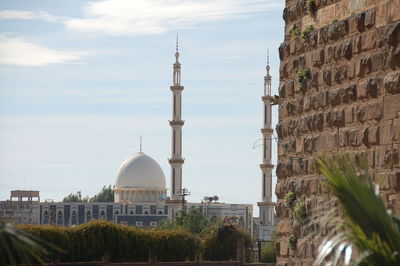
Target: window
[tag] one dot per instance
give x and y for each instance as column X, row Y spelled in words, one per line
column 131, row 212
column 60, row 218
column 46, row 217
column 139, row 224
column 102, row 215
column 153, row 209
column 74, row 218
column 146, row 212
column 88, row 216
column 139, row 209
column 152, row 224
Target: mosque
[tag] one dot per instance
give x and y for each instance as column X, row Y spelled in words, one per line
column 140, row 197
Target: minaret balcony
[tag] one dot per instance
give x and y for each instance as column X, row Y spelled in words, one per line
column 267, row 98
column 264, row 203
column 176, row 160
column 266, row 166
column 176, row 122
column 176, row 88
column 265, row 131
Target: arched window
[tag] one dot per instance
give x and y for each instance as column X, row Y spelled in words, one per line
column 88, row 216
column 59, row 218
column 159, row 212
column 115, row 215
column 102, row 215
column 146, row 212
column 131, row 212
column 74, row 218
column 46, row 217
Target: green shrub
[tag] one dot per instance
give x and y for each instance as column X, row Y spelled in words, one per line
column 290, row 197
column 302, row 77
column 268, row 253
column 219, row 242
column 311, row 7
column 91, row 241
column 299, row 212
column 294, row 32
column 307, row 31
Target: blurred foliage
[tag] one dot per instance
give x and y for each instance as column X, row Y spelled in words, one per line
column 91, row 241
column 105, row 195
column 219, row 242
column 18, row 247
column 366, row 226
column 268, row 250
column 192, row 220
column 76, row 197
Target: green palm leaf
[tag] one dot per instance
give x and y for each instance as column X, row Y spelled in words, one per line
column 367, row 225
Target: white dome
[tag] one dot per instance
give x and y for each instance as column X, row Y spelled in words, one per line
column 140, row 172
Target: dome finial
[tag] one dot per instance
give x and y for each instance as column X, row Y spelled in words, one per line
column 140, row 143
column 177, row 42
column 267, row 62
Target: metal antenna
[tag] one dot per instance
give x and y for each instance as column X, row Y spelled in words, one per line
column 267, row 56
column 177, row 42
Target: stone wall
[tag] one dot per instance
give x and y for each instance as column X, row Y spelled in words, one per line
column 339, row 91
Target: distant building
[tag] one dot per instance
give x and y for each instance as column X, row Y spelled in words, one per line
column 22, row 208
column 140, row 197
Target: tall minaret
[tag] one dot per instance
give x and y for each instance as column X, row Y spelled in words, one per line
column 176, row 161
column 266, row 205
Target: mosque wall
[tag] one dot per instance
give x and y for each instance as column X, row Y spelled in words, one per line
column 339, row 91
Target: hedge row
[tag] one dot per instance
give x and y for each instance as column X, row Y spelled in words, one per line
column 94, row 240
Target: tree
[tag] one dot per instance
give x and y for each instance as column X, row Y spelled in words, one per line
column 77, row 197
column 105, row 195
column 193, row 221
column 367, row 225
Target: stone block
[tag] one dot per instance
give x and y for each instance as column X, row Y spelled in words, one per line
column 283, row 228
column 360, row 114
column 314, row 186
column 396, row 130
column 355, row 137
column 317, row 122
column 372, row 135
column 327, row 78
column 284, row 248
column 393, row 58
column 351, row 70
column 318, row 57
column 335, row 118
column 348, row 114
column 377, row 62
column 391, row 107
column 308, row 145
column 370, row 18
column 340, row 74
column 394, row 181
column 346, row 49
column 289, row 88
column 349, row 94
column 337, row 30
column 395, row 8
column 363, row 66
column 284, row 50
column 370, row 88
column 376, row 111
column 343, row 139
column 386, row 132
column 335, row 97
column 392, row 36
column 369, row 41
column 356, row 23
column 391, row 83
column 357, row 44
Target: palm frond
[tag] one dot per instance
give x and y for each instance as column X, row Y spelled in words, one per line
column 368, row 225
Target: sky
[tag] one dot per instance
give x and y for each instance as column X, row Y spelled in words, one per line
column 81, row 81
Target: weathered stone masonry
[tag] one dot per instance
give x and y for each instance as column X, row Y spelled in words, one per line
column 339, row 91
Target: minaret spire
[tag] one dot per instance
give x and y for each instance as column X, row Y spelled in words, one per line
column 176, row 161
column 266, row 205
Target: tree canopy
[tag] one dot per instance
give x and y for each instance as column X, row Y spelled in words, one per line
column 191, row 220
column 106, row 194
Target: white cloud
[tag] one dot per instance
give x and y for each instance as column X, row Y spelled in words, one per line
column 20, row 14
column 140, row 17
column 17, row 51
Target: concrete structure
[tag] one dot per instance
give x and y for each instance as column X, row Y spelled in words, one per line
column 176, row 161
column 24, row 210
column 267, row 213
column 339, row 92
